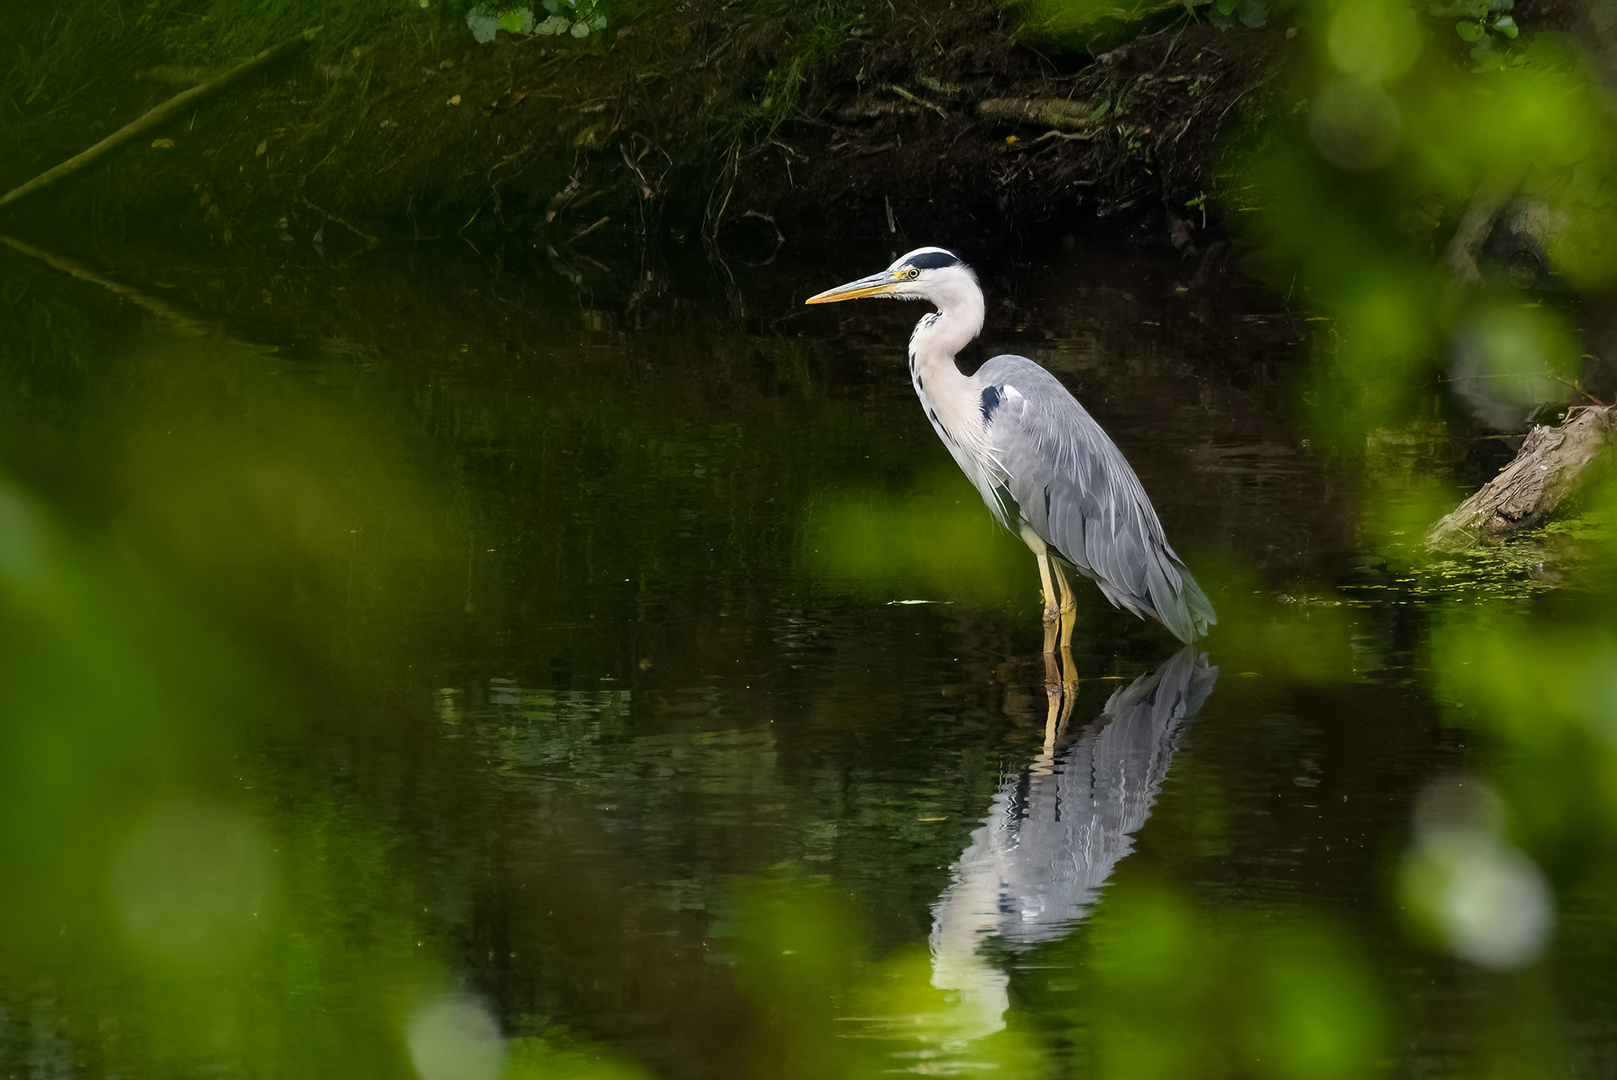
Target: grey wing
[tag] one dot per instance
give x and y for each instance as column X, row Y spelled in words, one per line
column 1075, row 489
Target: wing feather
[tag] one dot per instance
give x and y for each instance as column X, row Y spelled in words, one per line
column 1073, row 486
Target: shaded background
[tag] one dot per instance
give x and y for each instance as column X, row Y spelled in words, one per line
column 441, row 661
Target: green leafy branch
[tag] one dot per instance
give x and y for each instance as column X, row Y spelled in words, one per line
column 580, row 18
column 1224, row 14
column 1486, row 25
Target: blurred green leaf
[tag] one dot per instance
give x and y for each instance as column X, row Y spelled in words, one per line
column 1468, row 31
column 931, row 541
column 517, row 20
column 1376, row 41
column 554, row 1058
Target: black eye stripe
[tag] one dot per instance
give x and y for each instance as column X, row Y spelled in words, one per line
column 933, row 260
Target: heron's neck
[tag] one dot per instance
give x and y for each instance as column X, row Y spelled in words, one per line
column 939, row 337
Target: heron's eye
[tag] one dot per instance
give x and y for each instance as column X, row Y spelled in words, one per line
column 912, row 273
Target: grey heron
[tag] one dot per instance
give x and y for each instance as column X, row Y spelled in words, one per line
column 1042, row 464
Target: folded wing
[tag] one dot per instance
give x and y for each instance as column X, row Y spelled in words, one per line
column 1073, row 486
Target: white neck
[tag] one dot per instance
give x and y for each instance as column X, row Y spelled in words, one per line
column 938, row 340
column 943, row 390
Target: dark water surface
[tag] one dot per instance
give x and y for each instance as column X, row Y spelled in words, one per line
column 408, row 649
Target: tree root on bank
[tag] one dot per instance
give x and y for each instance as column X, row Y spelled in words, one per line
column 1045, row 112
column 1545, row 473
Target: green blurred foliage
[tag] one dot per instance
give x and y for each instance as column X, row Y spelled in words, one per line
column 1376, row 41
column 1303, row 638
column 1388, row 128
column 1162, row 990
column 240, row 539
column 833, row 1009
column 247, row 932
column 932, row 541
column 141, row 850
column 1186, row 993
column 561, row 1057
column 1391, row 118
column 1546, row 688
column 1093, row 26
column 1392, row 121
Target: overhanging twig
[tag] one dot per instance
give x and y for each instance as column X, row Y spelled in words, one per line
column 156, row 115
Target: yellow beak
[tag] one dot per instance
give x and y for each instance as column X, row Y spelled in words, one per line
column 874, row 285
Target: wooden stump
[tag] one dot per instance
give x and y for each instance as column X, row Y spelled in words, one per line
column 1546, row 470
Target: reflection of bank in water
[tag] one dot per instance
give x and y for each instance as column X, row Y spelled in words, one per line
column 1055, row 831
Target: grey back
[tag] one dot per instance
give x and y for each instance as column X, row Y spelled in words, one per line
column 1073, row 486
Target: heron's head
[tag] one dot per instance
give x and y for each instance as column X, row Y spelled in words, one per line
column 929, row 273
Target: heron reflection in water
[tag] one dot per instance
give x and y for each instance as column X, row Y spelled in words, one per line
column 1055, row 831
column 1042, row 464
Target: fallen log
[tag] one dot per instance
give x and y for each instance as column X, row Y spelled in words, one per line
column 1546, row 471
column 157, row 115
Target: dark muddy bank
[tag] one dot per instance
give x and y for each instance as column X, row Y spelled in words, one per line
column 691, row 126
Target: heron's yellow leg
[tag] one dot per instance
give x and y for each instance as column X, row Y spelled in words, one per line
column 1061, row 699
column 1067, row 611
column 1052, row 663
column 1062, row 693
column 1068, row 600
column 1047, row 571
